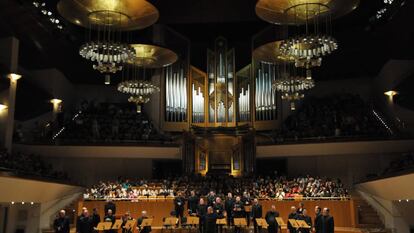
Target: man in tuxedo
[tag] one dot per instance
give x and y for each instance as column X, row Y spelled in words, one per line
column 210, row 221
column 238, row 212
column 109, row 217
column 110, row 205
column 125, row 218
column 293, row 215
column 300, row 208
column 143, row 229
column 246, row 202
column 61, row 223
column 211, row 198
column 328, row 225
column 96, row 219
column 201, row 213
column 271, row 220
column 228, row 205
column 179, row 203
column 256, row 213
column 84, row 223
column 220, row 212
column 192, row 203
column 317, row 226
column 305, row 217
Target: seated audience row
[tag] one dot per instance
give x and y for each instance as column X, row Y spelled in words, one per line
column 339, row 115
column 260, row 187
column 29, row 165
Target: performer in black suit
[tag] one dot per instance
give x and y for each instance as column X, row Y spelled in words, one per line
column 125, row 218
column 210, row 221
column 61, row 223
column 271, row 220
column 110, row 205
column 256, row 213
column 179, row 203
column 328, row 225
column 300, row 208
column 220, row 212
column 201, row 213
column 211, row 198
column 96, row 219
column 192, row 203
column 228, row 205
column 317, row 226
column 293, row 215
column 84, row 223
column 143, row 229
column 109, row 217
column 305, row 217
column 246, row 202
column 238, row 212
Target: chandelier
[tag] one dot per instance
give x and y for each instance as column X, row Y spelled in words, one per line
column 107, row 23
column 107, row 56
column 293, row 87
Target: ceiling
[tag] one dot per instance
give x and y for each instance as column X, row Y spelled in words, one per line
column 364, row 46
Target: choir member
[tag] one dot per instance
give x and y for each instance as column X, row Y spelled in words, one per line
column 96, row 218
column 300, row 208
column 61, row 223
column 305, row 217
column 220, row 211
column 110, row 205
column 192, row 203
column 210, row 221
column 201, row 213
column 179, row 203
column 109, row 217
column 211, row 198
column 228, row 206
column 271, row 220
column 293, row 215
column 84, row 223
column 238, row 212
column 143, row 229
column 256, row 213
column 328, row 225
column 246, row 202
column 317, row 226
column 125, row 218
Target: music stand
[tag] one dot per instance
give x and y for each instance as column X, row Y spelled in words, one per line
column 240, row 222
column 130, row 224
column 261, row 222
column 221, row 221
column 293, row 223
column 103, row 226
column 193, row 222
column 117, row 224
column 280, row 222
column 170, row 222
column 303, row 224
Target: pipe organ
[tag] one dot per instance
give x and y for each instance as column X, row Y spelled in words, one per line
column 244, row 89
column 198, row 95
column 265, row 96
column 221, row 82
column 175, row 93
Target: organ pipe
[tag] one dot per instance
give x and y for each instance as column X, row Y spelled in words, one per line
column 265, row 97
column 175, row 94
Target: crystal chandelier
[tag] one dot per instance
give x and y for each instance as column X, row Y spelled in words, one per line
column 310, row 40
column 292, row 88
column 107, row 23
column 140, row 91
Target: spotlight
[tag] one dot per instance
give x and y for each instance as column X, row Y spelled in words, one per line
column 49, row 13
column 12, row 202
column 14, row 76
column 399, row 200
column 31, row 203
column 390, row 93
column 3, row 107
column 22, row 202
column 57, row 21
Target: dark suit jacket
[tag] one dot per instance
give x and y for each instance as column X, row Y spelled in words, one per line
column 318, row 223
column 84, row 225
column 61, row 225
column 110, row 205
column 328, row 225
column 256, row 211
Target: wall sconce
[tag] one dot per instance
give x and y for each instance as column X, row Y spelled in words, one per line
column 55, row 101
column 391, row 94
column 3, row 107
column 14, row 77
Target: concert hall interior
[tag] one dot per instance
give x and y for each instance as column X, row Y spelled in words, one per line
column 206, row 116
